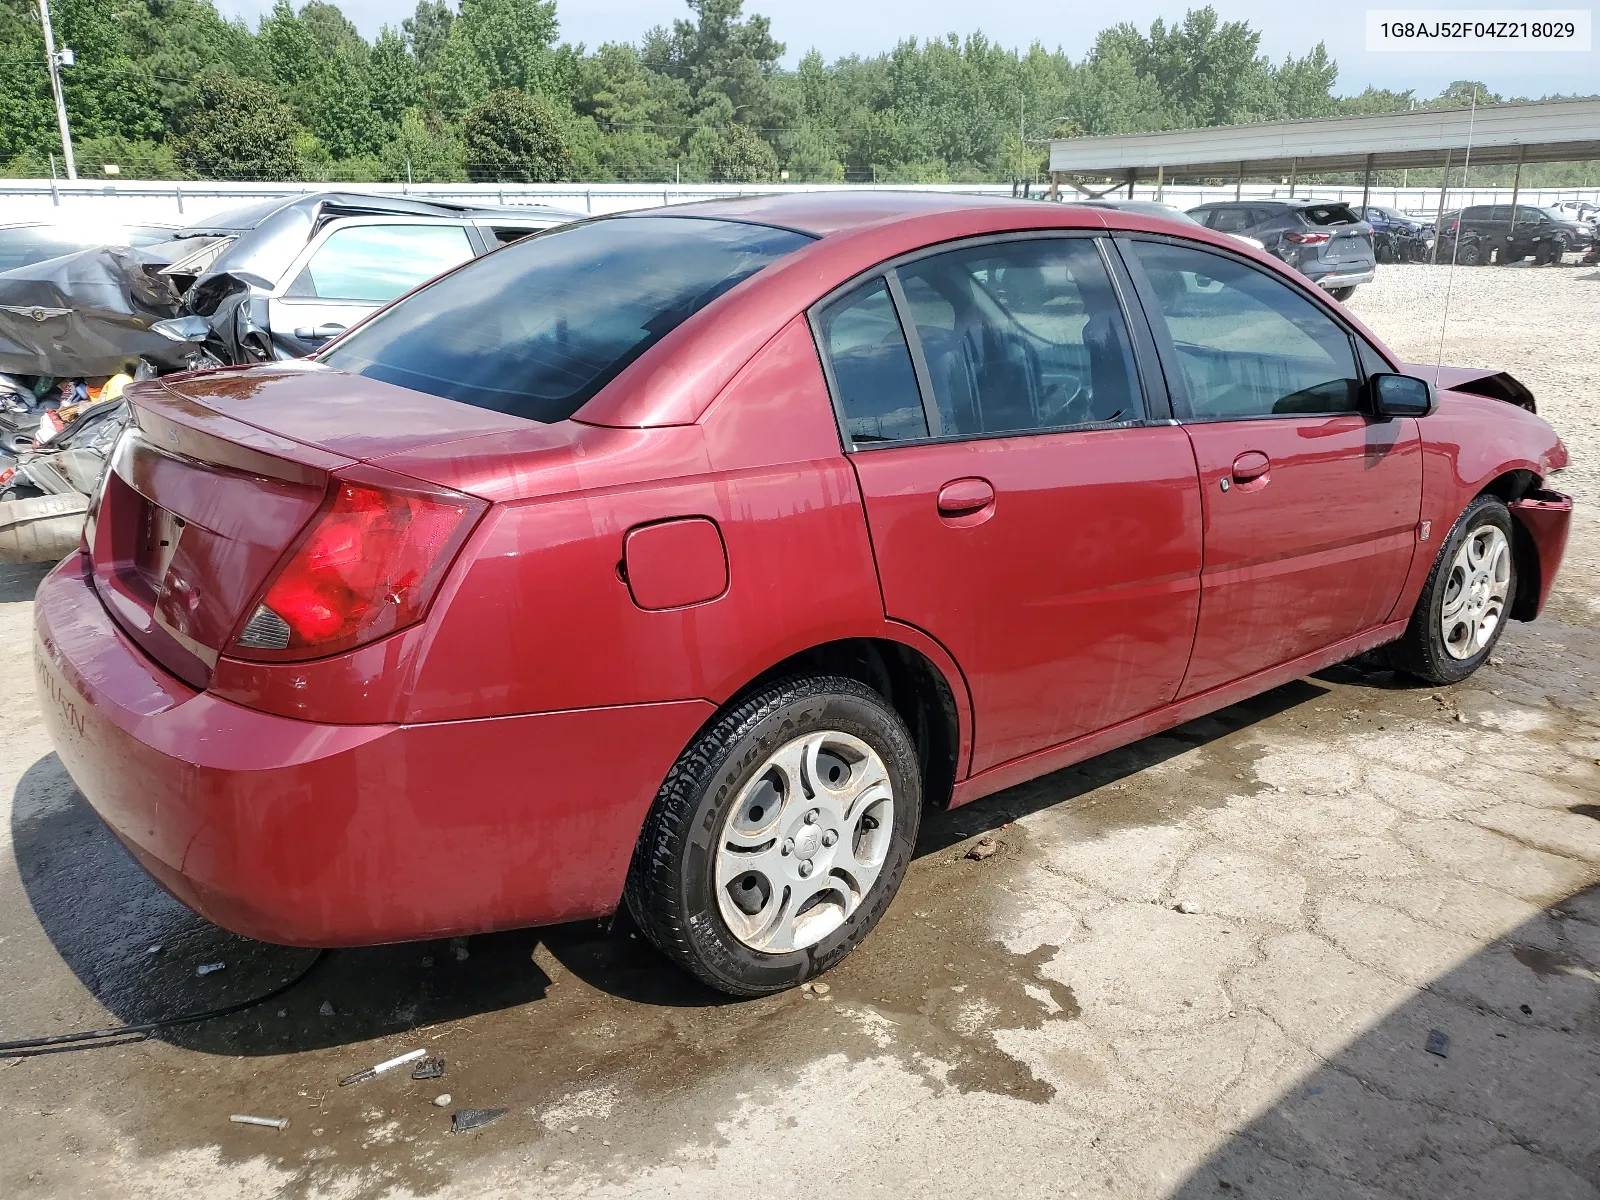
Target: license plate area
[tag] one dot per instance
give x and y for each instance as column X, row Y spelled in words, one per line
column 159, row 532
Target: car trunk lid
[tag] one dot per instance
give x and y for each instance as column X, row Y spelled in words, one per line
column 217, row 476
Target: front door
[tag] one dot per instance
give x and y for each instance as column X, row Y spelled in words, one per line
column 1311, row 504
column 1022, row 509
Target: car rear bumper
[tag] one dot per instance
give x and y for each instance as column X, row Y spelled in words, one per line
column 330, row 835
column 1338, row 277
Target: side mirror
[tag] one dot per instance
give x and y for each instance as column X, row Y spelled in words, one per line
column 1400, row 395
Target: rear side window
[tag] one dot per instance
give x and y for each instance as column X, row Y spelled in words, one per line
column 1248, row 345
column 872, row 372
column 1232, row 220
column 376, row 263
column 538, row 328
column 1329, row 214
column 1022, row 335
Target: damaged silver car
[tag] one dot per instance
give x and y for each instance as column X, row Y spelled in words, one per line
column 273, row 280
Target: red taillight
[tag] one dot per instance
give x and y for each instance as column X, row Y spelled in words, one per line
column 1305, row 239
column 367, row 566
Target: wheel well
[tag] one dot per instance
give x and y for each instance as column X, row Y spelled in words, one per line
column 1514, row 485
column 912, row 685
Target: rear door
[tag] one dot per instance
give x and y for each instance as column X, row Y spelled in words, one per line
column 354, row 267
column 1026, row 507
column 1311, row 504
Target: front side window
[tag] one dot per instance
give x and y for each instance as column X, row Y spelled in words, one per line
column 1231, row 220
column 539, row 327
column 1022, row 335
column 872, row 372
column 376, row 263
column 1248, row 345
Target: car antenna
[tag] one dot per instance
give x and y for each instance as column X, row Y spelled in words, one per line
column 1455, row 242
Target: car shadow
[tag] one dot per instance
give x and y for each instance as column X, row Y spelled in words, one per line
column 1481, row 1083
column 138, row 952
column 19, row 581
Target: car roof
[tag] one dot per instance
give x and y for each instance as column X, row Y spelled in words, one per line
column 824, row 212
column 323, row 204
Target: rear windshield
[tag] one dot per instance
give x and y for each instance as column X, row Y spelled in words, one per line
column 1329, row 214
column 539, row 327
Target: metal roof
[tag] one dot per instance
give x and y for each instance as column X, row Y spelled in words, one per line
column 1543, row 131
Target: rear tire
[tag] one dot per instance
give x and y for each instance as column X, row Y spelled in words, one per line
column 1450, row 636
column 1341, row 294
column 742, row 830
column 1469, row 254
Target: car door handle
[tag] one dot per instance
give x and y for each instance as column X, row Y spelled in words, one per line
column 964, row 497
column 321, row 333
column 1250, row 465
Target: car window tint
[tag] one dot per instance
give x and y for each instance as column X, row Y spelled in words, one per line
column 1232, row 220
column 1022, row 335
column 376, row 263
column 1248, row 345
column 537, row 328
column 872, row 372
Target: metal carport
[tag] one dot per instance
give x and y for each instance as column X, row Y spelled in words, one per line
column 1542, row 131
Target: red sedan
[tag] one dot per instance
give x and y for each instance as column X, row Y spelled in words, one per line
column 680, row 559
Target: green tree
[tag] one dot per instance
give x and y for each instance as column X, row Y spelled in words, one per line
column 240, row 130
column 516, row 137
column 426, row 31
column 424, row 150
column 737, row 154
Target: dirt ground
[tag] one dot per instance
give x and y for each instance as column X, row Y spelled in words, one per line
column 1209, row 964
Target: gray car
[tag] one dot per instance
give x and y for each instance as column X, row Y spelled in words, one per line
column 1322, row 239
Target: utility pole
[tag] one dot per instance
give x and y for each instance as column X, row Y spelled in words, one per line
column 56, row 62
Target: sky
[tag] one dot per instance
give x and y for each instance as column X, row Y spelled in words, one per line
column 842, row 27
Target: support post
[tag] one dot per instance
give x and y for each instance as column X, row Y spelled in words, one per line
column 1516, row 186
column 54, row 61
column 1294, row 167
column 1238, row 184
column 1438, row 217
column 1055, row 185
column 1133, row 173
column 1161, row 185
column 1366, row 189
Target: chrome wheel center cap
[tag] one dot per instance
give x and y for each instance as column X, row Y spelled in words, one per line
column 808, row 841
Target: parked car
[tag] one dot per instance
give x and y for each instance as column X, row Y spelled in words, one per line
column 272, row 280
column 1155, row 208
column 1397, row 238
column 23, row 243
column 681, row 559
column 1324, row 240
column 1577, row 210
column 1484, row 233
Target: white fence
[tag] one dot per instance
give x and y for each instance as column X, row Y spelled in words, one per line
column 131, row 201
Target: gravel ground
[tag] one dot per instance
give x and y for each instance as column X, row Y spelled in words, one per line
column 1210, row 964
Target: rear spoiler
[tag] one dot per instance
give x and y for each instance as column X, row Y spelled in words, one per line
column 1479, row 381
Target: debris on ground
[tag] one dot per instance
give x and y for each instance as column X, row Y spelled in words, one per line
column 326, row 1010
column 986, row 846
column 268, row 1122
column 205, row 969
column 442, row 1100
column 428, row 1068
column 820, row 988
column 1438, row 1043
column 387, row 1065
column 464, row 1119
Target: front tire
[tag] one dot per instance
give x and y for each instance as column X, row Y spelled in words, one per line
column 779, row 837
column 1467, row 600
